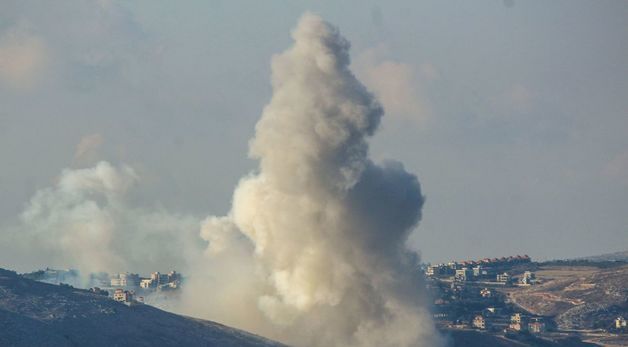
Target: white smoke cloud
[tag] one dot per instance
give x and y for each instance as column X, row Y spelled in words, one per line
column 84, row 221
column 313, row 251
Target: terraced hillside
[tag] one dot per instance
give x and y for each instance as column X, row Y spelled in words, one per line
column 578, row 297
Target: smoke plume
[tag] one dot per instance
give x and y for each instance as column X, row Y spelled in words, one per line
column 313, row 251
column 86, row 222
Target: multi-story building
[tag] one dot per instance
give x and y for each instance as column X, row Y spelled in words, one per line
column 122, row 295
column 528, row 278
column 463, row 275
column 620, row 322
column 503, row 277
column 479, row 322
column 171, row 280
column 517, row 318
column 486, row 293
column 536, row 326
column 125, row 280
column 477, row 271
column 173, row 276
column 160, row 278
column 518, row 322
column 146, row 283
column 130, row 280
column 430, row 271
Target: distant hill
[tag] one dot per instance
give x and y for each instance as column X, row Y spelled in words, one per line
column 40, row 314
column 617, row 256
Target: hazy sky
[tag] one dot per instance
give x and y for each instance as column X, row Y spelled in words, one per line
column 513, row 114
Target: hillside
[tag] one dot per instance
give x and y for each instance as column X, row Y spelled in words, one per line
column 40, row 314
column 578, row 298
column 35, row 314
column 616, row 256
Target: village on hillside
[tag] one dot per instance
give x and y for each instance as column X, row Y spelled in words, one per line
column 128, row 288
column 509, row 297
column 491, row 295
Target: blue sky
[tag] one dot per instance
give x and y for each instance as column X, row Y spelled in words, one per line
column 513, row 114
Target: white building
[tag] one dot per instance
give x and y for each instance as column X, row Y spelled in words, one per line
column 122, row 295
column 536, row 326
column 486, row 293
column 503, row 277
column 125, row 280
column 146, row 283
column 464, row 274
column 517, row 318
column 528, row 278
column 479, row 322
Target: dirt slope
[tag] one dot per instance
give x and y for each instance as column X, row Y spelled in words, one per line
column 578, row 297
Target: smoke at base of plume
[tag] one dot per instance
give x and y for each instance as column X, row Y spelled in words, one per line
column 313, row 251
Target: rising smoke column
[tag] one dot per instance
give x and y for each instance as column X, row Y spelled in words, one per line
column 313, row 251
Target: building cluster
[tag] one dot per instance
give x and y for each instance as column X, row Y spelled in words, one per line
column 518, row 322
column 467, row 295
column 122, row 287
column 521, row 322
column 171, row 280
column 486, row 270
column 156, row 281
column 126, row 286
